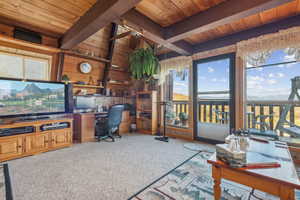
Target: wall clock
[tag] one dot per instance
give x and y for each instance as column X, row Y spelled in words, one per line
column 85, row 67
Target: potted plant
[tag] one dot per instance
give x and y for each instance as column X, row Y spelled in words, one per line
column 170, row 117
column 65, row 78
column 183, row 118
column 143, row 64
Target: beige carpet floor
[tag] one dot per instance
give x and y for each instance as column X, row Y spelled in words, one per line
column 96, row 171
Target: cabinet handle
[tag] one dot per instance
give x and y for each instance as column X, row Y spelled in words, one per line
column 19, row 146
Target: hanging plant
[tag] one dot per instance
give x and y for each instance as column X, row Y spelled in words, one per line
column 143, row 64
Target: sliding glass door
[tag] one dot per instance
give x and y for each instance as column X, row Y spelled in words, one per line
column 213, row 97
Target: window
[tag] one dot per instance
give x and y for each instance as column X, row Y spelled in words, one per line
column 24, row 67
column 178, row 111
column 272, row 91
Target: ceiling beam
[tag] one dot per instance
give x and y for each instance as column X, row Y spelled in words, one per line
column 154, row 32
column 240, row 36
column 110, row 53
column 224, row 13
column 102, row 13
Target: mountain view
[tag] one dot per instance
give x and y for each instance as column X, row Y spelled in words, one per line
column 17, row 97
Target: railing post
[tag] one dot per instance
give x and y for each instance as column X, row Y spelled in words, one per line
column 210, row 112
column 271, row 110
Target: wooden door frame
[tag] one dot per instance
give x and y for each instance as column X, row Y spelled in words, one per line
column 232, row 86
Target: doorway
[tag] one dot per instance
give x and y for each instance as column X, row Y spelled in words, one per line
column 213, row 95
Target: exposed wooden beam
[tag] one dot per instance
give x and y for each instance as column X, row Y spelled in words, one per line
column 122, row 35
column 240, row 36
column 224, row 13
column 154, row 32
column 110, row 53
column 102, row 13
column 168, row 55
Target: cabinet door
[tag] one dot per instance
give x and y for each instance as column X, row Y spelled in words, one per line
column 87, row 128
column 36, row 143
column 61, row 138
column 11, row 148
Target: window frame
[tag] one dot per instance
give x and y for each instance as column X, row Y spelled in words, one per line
column 32, row 57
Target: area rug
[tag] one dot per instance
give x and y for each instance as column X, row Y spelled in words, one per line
column 5, row 186
column 192, row 181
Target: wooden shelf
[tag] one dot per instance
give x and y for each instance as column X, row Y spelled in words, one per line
column 87, row 86
column 71, row 53
column 4, row 39
column 118, row 83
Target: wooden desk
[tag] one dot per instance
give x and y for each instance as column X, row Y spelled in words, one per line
column 84, row 125
column 280, row 181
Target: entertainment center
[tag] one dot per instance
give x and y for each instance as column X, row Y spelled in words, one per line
column 39, row 140
column 34, row 117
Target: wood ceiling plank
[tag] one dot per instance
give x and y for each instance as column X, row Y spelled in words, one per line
column 24, row 19
column 162, row 12
column 98, row 16
column 154, row 32
column 167, row 12
column 83, row 4
column 200, row 5
column 187, row 7
column 238, row 26
column 18, row 9
column 268, row 15
column 67, row 6
column 148, row 7
column 224, row 13
column 287, row 10
column 253, row 21
column 51, row 9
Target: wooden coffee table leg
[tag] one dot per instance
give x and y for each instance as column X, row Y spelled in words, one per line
column 287, row 193
column 216, row 174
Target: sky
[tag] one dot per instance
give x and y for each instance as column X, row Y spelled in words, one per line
column 268, row 83
column 20, row 85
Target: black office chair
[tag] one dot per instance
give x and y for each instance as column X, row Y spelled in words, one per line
column 112, row 123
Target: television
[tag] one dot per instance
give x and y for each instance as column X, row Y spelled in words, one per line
column 32, row 98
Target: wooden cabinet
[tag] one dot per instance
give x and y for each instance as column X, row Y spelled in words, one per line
column 60, row 138
column 36, row 142
column 17, row 146
column 125, row 123
column 146, row 105
column 10, row 148
column 84, row 127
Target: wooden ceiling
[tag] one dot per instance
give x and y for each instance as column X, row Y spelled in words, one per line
column 275, row 14
column 168, row 12
column 55, row 16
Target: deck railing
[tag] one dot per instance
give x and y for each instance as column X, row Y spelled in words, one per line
column 217, row 111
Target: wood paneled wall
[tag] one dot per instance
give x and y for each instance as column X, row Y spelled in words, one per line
column 96, row 46
column 71, row 69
